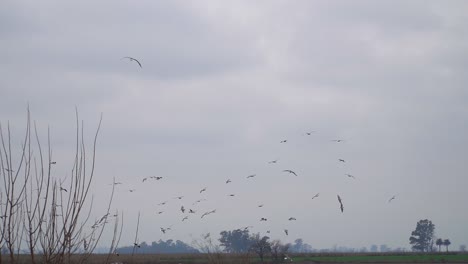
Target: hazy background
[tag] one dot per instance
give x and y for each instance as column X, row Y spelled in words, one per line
column 223, row 83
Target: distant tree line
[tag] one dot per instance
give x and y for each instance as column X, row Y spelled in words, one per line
column 168, row 246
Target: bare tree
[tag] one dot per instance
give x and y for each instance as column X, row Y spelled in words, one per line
column 49, row 214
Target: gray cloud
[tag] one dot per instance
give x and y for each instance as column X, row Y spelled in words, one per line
column 223, row 83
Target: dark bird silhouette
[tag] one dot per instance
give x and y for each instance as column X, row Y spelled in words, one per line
column 350, row 176
column 207, row 213
column 263, row 219
column 268, row 231
column 232, row 195
column 273, row 161
column 251, row 176
column 261, row 205
column 341, row 203
column 163, row 203
column 178, row 197
column 337, row 140
column 284, row 141
column 202, row 190
column 290, row 171
column 160, row 212
column 63, row 189
column 291, row 218
column 131, row 190
column 144, row 179
column 228, row 181
column 163, row 230
column 53, row 162
column 136, row 245
column 286, row 231
column 206, row 236
column 391, row 199
column 191, row 211
column 185, row 218
column 310, row 133
column 133, row 59
column 341, row 160
column 182, row 209
column 315, row 196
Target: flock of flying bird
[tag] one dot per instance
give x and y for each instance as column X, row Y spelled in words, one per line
column 189, row 211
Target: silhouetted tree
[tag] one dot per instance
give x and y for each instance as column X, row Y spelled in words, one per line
column 462, row 248
column 422, row 237
column 260, row 245
column 439, row 243
column 447, row 243
column 278, row 251
column 235, row 241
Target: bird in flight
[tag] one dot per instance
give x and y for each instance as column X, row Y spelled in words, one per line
column 310, row 133
column 341, row 204
column 182, row 209
column 350, row 176
column 273, row 161
column 286, row 231
column 144, row 179
column 207, row 213
column 163, row 230
column 133, row 59
column 261, row 205
column 291, row 218
column 284, row 141
column 290, row 171
column 341, row 160
column 185, row 218
column 263, row 219
column 202, row 190
column 178, row 197
column 251, row 176
column 191, row 211
column 228, row 181
column 315, row 196
column 156, row 177
column 337, row 140
column 63, row 189
column 391, row 199
column 53, row 162
column 163, row 203
column 160, row 212
column 232, row 195
column 131, row 190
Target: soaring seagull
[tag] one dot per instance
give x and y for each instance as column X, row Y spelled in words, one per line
column 273, row 161
column 291, row 218
column 202, row 190
column 341, row 204
column 228, row 181
column 315, row 196
column 284, row 141
column 341, row 160
column 251, row 176
column 350, row 176
column 393, row 198
column 290, row 171
column 286, row 231
column 133, row 59
column 337, row 140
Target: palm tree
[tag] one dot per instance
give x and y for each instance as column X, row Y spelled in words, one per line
column 439, row 242
column 447, row 243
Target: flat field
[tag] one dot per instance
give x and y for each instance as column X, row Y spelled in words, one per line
column 401, row 258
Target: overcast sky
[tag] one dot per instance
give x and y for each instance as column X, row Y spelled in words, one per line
column 223, row 83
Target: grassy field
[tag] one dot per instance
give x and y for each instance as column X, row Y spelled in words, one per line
column 297, row 258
